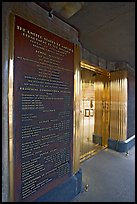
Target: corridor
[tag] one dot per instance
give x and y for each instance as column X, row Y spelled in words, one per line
column 110, row 176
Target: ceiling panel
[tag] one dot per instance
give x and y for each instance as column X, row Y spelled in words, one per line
column 106, row 29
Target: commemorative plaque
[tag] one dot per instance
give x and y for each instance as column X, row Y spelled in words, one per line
column 43, row 84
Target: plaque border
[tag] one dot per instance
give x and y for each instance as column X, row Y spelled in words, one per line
column 10, row 105
column 74, row 169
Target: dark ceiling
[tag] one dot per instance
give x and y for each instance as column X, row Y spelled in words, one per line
column 106, row 29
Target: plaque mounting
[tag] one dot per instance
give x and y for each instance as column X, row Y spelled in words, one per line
column 43, row 95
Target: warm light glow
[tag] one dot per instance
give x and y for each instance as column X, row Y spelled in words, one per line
column 10, row 90
column 10, row 97
column 94, row 68
column 66, row 9
column 118, row 116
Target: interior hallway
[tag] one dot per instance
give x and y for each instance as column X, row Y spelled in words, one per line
column 110, row 176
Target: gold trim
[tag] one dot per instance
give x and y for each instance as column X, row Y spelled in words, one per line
column 10, row 104
column 77, row 93
column 94, row 68
column 91, row 153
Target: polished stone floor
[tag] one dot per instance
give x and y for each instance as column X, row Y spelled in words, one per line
column 110, row 177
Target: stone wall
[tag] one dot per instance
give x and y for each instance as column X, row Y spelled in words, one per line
column 131, row 105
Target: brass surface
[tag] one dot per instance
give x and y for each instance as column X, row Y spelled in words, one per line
column 77, row 96
column 98, row 108
column 87, row 112
column 91, row 153
column 102, row 108
column 106, row 112
column 100, row 93
column 99, row 70
column 118, row 114
column 10, row 101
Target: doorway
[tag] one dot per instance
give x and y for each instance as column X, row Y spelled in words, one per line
column 87, row 108
column 94, row 112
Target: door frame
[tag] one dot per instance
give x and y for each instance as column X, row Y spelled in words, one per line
column 104, row 134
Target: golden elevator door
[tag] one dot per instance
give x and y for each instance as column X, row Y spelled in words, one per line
column 102, row 108
column 87, row 109
column 119, row 98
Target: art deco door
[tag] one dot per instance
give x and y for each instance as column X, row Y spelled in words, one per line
column 87, row 107
column 111, row 107
column 95, row 105
column 118, row 111
column 102, row 108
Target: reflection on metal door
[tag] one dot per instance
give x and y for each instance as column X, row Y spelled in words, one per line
column 102, row 108
column 94, row 109
column 118, row 114
column 87, row 111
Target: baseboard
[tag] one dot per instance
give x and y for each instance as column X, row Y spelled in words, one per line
column 64, row 192
column 121, row 146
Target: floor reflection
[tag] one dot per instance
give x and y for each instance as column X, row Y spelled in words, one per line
column 87, row 129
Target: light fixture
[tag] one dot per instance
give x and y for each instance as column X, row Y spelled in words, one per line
column 66, row 9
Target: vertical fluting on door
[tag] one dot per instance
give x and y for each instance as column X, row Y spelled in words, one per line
column 102, row 108
column 118, row 105
column 106, row 112
column 98, row 108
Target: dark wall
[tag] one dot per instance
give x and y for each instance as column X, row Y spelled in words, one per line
column 131, row 105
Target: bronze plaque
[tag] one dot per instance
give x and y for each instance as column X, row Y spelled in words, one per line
column 42, row 110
